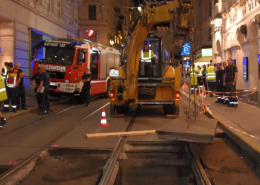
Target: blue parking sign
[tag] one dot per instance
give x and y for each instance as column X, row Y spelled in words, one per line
column 186, row 49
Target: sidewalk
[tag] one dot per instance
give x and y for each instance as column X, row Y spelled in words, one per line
column 31, row 105
column 241, row 123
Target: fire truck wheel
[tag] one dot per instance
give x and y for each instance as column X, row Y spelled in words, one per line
column 122, row 109
column 169, row 109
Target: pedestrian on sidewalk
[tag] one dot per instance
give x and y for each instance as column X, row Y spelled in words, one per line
column 21, row 100
column 36, row 78
column 86, row 79
column 3, row 96
column 219, row 80
column 12, row 81
column 230, row 83
column 211, row 78
column 43, row 91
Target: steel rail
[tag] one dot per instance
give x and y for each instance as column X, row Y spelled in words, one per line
column 43, row 118
column 28, row 159
column 110, row 164
column 197, row 169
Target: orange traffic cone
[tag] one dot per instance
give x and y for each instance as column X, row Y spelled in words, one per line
column 185, row 86
column 103, row 122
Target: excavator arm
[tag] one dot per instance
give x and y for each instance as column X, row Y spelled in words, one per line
column 176, row 12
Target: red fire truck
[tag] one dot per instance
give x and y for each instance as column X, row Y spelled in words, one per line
column 66, row 61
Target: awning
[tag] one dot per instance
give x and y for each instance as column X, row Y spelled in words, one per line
column 203, row 59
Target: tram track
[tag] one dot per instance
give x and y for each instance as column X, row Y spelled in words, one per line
column 26, row 161
column 163, row 162
column 44, row 118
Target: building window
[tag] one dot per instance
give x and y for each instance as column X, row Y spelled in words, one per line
column 210, row 9
column 92, row 12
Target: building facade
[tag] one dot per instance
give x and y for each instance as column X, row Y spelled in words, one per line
column 238, row 37
column 110, row 19
column 201, row 16
column 24, row 22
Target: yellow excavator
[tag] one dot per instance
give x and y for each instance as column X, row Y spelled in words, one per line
column 129, row 88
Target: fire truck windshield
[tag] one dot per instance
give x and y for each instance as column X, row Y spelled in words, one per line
column 55, row 55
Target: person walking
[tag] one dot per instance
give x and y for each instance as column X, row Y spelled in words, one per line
column 12, row 81
column 21, row 100
column 219, row 80
column 211, row 78
column 3, row 96
column 230, row 83
column 43, row 91
column 36, row 78
column 86, row 79
column 147, row 59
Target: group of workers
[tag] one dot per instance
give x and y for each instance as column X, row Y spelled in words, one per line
column 12, row 90
column 218, row 81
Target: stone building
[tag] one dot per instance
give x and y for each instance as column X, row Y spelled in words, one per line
column 24, row 22
column 237, row 36
column 201, row 16
column 103, row 16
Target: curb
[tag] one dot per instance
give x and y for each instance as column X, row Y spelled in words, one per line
column 30, row 109
column 244, row 142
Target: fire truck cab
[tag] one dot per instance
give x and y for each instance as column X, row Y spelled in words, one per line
column 66, row 61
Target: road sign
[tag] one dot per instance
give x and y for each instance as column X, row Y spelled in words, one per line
column 186, row 49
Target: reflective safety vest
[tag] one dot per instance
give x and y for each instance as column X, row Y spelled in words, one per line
column 12, row 78
column 146, row 59
column 210, row 74
column 3, row 95
column 193, row 78
column 200, row 72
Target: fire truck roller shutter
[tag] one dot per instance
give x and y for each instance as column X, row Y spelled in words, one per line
column 103, row 65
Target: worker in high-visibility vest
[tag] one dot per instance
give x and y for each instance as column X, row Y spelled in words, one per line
column 147, row 58
column 4, row 71
column 193, row 81
column 211, row 78
column 199, row 77
column 12, row 81
column 3, row 96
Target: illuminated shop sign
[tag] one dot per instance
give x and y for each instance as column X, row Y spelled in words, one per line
column 207, row 52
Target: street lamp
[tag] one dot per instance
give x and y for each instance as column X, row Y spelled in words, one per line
column 218, row 21
column 112, row 42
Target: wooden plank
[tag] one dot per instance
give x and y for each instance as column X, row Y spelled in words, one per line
column 121, row 134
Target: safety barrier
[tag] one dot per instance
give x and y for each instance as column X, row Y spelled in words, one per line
column 205, row 109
